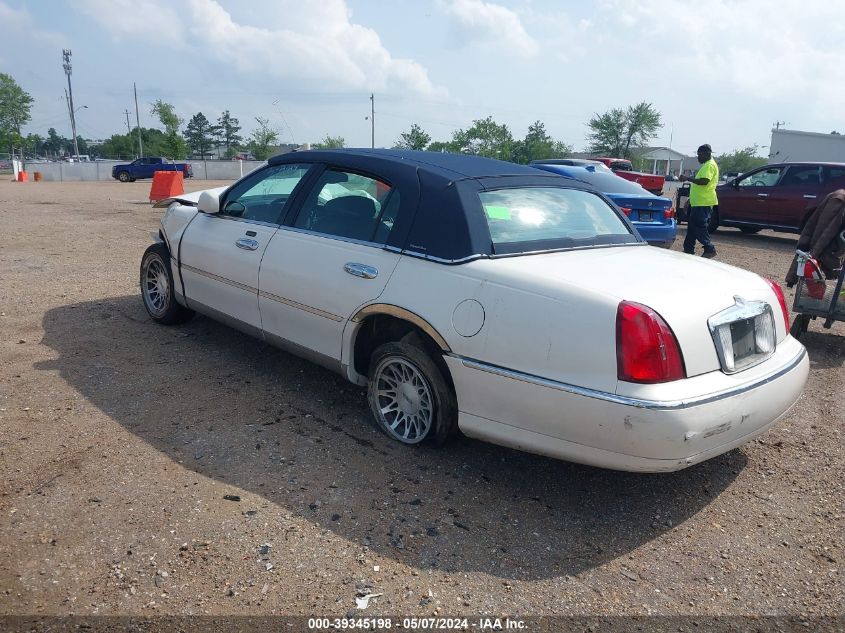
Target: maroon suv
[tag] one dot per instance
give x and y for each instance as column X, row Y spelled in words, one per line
column 776, row 196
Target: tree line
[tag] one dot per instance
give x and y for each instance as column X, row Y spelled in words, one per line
column 619, row 133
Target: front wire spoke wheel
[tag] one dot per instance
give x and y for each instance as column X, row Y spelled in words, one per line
column 156, row 287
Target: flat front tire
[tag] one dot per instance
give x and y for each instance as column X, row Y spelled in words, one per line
column 157, row 287
column 409, row 397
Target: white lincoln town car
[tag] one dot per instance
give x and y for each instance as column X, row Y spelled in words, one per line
column 472, row 295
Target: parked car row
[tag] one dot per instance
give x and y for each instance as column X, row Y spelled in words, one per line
column 653, row 216
column 509, row 303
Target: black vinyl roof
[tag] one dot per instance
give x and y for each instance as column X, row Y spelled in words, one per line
column 452, row 166
column 440, row 214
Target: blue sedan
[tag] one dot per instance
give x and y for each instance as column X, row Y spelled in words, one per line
column 653, row 216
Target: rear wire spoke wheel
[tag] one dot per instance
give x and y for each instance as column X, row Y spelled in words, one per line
column 409, row 397
column 404, row 401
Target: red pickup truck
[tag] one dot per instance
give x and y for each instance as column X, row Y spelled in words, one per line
column 623, row 168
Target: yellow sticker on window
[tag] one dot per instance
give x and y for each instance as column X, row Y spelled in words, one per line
column 497, row 213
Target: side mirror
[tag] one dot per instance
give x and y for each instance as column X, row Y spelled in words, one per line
column 208, row 203
column 234, row 208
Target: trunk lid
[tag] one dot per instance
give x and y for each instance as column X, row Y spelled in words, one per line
column 683, row 289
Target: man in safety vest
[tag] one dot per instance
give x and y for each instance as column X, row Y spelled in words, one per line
column 702, row 199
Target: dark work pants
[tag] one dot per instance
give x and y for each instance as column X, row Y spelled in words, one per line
column 697, row 223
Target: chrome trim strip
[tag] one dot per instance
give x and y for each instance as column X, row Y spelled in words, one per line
column 300, row 306
column 329, row 236
column 654, row 405
column 223, row 280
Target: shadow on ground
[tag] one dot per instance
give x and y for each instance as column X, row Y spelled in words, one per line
column 231, row 408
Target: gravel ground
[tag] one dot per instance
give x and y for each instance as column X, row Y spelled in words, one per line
column 121, row 440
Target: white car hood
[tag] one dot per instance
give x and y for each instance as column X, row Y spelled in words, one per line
column 685, row 290
column 187, row 199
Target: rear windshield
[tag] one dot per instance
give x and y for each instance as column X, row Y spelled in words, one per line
column 608, row 182
column 531, row 219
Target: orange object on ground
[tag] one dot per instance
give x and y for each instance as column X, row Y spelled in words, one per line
column 167, row 184
column 22, row 176
column 36, row 176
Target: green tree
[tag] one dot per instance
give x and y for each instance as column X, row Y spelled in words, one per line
column 741, row 160
column 33, row 144
column 330, row 142
column 15, row 106
column 125, row 146
column 485, row 137
column 444, row 146
column 262, row 138
column 619, row 133
column 227, row 134
column 175, row 146
column 200, row 133
column 415, row 138
column 55, row 144
column 537, row 145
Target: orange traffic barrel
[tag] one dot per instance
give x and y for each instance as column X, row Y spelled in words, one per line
column 22, row 176
column 166, row 184
column 36, row 176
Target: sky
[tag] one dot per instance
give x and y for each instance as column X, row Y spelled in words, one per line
column 721, row 72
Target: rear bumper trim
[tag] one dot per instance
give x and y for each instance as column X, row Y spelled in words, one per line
column 655, row 405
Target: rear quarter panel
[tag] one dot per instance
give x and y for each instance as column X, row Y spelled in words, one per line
column 562, row 334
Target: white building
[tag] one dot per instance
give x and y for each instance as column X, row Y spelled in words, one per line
column 795, row 146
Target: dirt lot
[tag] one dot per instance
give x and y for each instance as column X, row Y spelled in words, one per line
column 119, row 439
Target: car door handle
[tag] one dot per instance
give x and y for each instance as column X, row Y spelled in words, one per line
column 247, row 244
column 361, row 270
column 809, row 197
column 762, row 195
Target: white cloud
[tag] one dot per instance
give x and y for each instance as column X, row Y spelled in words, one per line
column 317, row 46
column 772, row 51
column 18, row 25
column 138, row 18
column 490, row 24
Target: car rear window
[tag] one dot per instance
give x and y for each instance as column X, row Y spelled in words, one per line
column 608, row 182
column 529, row 219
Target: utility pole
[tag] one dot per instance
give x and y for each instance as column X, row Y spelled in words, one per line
column 69, row 95
column 373, row 120
column 138, row 123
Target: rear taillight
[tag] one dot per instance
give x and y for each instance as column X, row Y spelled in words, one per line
column 626, row 211
column 646, row 348
column 669, row 213
column 781, row 300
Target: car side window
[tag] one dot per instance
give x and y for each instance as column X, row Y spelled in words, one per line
column 762, row 178
column 263, row 197
column 834, row 174
column 345, row 204
column 802, row 176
